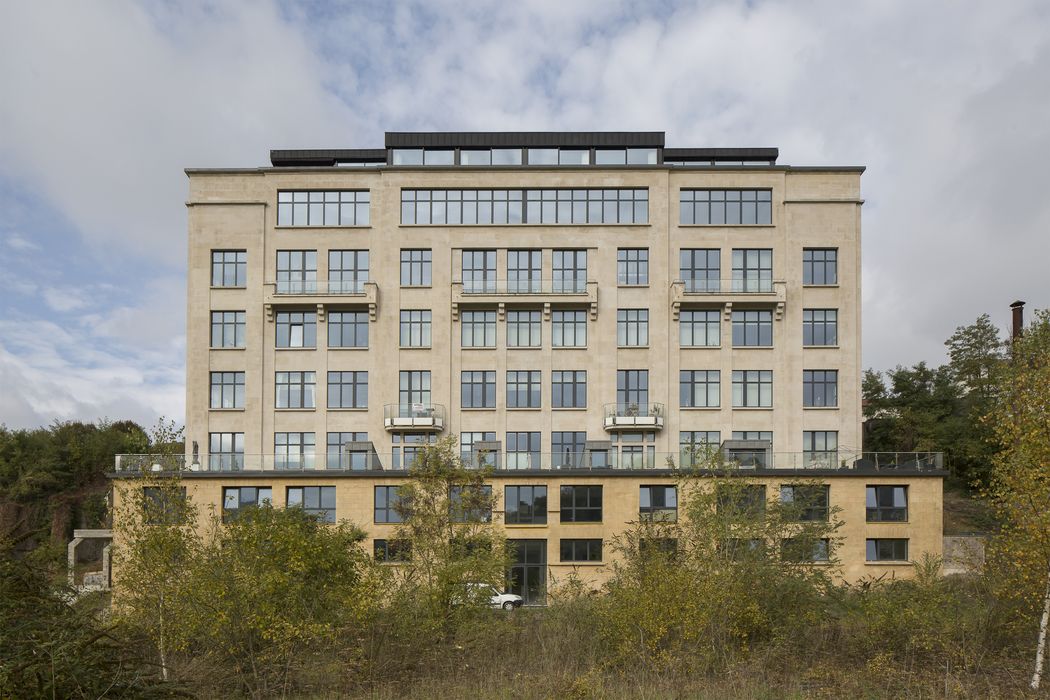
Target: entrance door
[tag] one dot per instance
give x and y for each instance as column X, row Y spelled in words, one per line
column 527, row 575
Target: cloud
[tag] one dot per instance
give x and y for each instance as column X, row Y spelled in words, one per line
column 17, row 243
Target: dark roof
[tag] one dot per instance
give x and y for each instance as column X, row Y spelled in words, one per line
column 721, row 153
column 327, row 156
column 527, row 139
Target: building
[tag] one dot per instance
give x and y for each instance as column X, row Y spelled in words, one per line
column 576, row 308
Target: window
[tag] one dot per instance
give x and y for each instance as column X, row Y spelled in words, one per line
column 739, row 548
column 803, row 550
column 632, row 267
column 318, row 501
column 525, row 505
column 820, row 266
column 581, row 504
column 694, row 446
column 568, row 448
column 746, row 501
column 229, row 268
column 340, row 208
column 225, row 451
column 413, row 387
column 523, row 450
column 658, row 503
column 227, row 389
column 296, row 329
column 569, row 329
column 476, row 157
column 293, row 450
column 523, row 389
column 547, row 206
column 477, row 389
column 407, row 156
column 415, row 328
column 634, row 450
column 820, row 448
column 458, row 207
column 887, row 504
column 527, row 574
column 406, row 447
column 569, row 388
column 570, row 271
column 387, row 504
column 574, row 156
column 699, row 329
column 227, row 329
column 347, row 271
column 347, row 389
column 632, row 387
column 416, row 268
column 752, row 270
column 701, row 269
column 297, row 272
column 820, row 388
column 581, row 550
column 765, row 435
column 523, row 329
column 753, row 388
column 699, row 388
column 236, row 499
column 523, row 271
column 805, row 502
column 470, row 504
column 887, row 550
column 506, row 156
column 543, row 156
column 479, row 271
column 347, row 329
column 478, row 329
column 752, row 328
column 295, row 389
column 587, row 206
column 820, row 327
column 341, row 454
column 726, row 207
column 390, row 551
column 472, row 455
column 632, row 327
column 666, row 547
column 163, row 505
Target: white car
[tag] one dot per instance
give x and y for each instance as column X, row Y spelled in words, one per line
column 507, row 601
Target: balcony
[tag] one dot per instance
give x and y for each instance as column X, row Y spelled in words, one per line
column 499, row 293
column 745, row 292
column 414, row 416
column 634, row 416
column 320, row 293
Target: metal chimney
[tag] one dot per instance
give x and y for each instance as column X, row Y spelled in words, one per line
column 1018, row 320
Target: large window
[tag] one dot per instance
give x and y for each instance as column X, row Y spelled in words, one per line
column 581, row 550
column 296, row 329
column 570, row 271
column 701, row 269
column 805, row 502
column 340, row 208
column 407, row 446
column 753, row 388
column 387, row 504
column 229, row 268
column 236, row 498
column 569, row 328
column 470, row 504
column 517, row 206
column 699, row 388
column 632, row 267
column 478, row 329
column 415, row 328
column 413, row 387
column 391, row 551
column 820, row 388
column 523, row 329
column 523, row 389
column 741, row 501
column 726, row 207
column 527, row 575
column 227, row 329
column 227, row 389
column 581, row 504
column 658, row 503
column 632, row 327
column 348, row 390
column 632, row 387
column 700, row 329
column 164, row 506
column 293, row 450
column 318, row 501
column 820, row 327
column 225, row 451
column 295, row 389
column 884, row 549
column 342, row 452
column 569, row 388
column 523, row 271
column 568, row 448
column 887, row 504
column 820, row 448
column 753, row 270
column 752, row 328
column 477, row 389
column 525, row 505
column 416, row 268
column 802, row 550
column 471, row 453
column 347, row 329
column 523, row 450
column 695, row 446
column 347, row 271
column 297, row 272
column 479, row 271
column 820, row 266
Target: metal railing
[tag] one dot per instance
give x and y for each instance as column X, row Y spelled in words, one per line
column 742, row 285
column 414, row 410
column 524, row 286
column 318, row 287
column 634, row 410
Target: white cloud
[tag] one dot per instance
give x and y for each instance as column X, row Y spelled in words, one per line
column 18, row 243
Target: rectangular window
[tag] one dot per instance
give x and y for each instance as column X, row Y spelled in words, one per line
column 296, row 329
column 581, row 550
column 414, row 387
column 546, row 206
column 347, row 271
column 887, row 550
column 407, row 446
column 295, row 389
column 700, row 329
column 336, row 208
column 701, row 270
column 393, row 550
column 569, row 388
column 523, row 329
column 632, row 267
column 820, row 388
column 752, row 328
column 293, row 450
column 296, row 271
column 523, row 389
column 475, row 157
column 726, row 207
column 801, row 550
column 570, row 271
column 524, row 268
column 887, row 504
column 820, row 327
column 506, row 156
column 753, row 388
column 569, row 329
column 581, row 504
column 699, row 388
column 235, row 499
column 342, row 455
column 820, row 266
column 227, row 389
column 348, row 390
column 658, row 503
column 387, row 504
column 406, row 156
column 666, row 547
column 471, row 454
column 416, row 268
column 695, row 446
column 632, row 327
column 227, row 329
column 805, row 502
column 753, row 270
column 746, row 501
column 225, row 451
column 470, row 504
column 820, row 448
column 318, row 501
column 229, row 268
column 415, row 328
column 163, row 506
column 479, row 271
column 523, row 450
column 347, row 329
column 477, row 389
column 632, row 387
column 568, row 448
column 478, row 329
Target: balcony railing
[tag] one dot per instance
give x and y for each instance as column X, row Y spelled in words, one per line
column 523, row 286
column 319, row 287
column 634, row 415
column 426, row 416
column 739, row 285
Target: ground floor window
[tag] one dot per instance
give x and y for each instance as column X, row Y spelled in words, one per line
column 527, row 575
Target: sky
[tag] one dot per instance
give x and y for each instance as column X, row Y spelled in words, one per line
column 102, row 106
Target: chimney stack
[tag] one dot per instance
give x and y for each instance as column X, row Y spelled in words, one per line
column 1018, row 321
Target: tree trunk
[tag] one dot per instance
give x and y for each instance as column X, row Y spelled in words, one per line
column 1041, row 646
